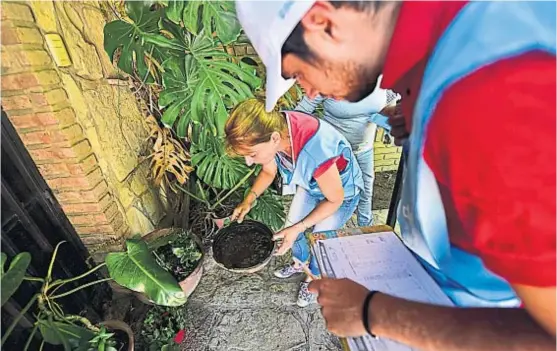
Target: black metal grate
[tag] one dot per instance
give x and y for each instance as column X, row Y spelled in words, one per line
column 33, row 221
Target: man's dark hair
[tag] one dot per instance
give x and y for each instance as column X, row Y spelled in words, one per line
column 295, row 43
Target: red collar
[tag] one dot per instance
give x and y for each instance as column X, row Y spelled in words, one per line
column 419, row 26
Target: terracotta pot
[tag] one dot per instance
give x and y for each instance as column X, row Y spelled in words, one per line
column 119, row 325
column 188, row 285
column 255, row 268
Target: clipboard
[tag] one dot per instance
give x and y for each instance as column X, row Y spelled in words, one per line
column 375, row 257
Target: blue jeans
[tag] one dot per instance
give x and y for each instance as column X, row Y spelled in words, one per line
column 365, row 160
column 302, row 205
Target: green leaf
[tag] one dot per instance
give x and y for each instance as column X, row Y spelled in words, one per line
column 221, row 84
column 268, row 210
column 60, row 333
column 3, row 259
column 12, row 279
column 190, row 16
column 174, row 10
column 203, row 86
column 136, row 38
column 179, row 85
column 215, row 168
column 138, row 270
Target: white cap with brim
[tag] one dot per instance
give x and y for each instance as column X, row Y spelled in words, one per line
column 268, row 24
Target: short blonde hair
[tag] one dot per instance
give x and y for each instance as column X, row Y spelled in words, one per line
column 249, row 124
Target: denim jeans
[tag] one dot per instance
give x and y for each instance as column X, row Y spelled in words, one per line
column 302, row 204
column 365, row 160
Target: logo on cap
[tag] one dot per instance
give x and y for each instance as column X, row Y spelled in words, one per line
column 285, row 8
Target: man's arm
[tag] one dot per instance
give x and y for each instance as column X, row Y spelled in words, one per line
column 431, row 327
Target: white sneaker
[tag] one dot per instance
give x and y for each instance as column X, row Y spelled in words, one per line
column 288, row 271
column 304, row 296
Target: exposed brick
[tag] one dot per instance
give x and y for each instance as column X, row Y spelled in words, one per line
column 392, row 156
column 77, row 151
column 19, row 81
column 84, row 166
column 31, row 138
column 18, row 61
column 15, row 11
column 29, row 36
column 387, row 168
column 378, row 157
column 51, row 97
column 70, row 209
column 50, row 170
column 89, row 219
column 384, row 150
column 18, row 102
column 69, row 135
column 62, row 118
column 117, row 222
column 96, row 229
column 89, row 239
column 9, row 36
column 24, row 121
column 77, row 182
column 112, row 211
column 385, row 162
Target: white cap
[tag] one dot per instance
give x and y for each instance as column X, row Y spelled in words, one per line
column 268, row 24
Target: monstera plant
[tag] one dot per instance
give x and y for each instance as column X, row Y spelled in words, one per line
column 180, row 49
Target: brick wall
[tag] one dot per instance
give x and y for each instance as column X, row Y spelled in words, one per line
column 83, row 130
column 387, row 157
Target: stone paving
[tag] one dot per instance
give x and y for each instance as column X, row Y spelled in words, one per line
column 245, row 312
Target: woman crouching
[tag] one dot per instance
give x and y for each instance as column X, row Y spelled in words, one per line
column 310, row 154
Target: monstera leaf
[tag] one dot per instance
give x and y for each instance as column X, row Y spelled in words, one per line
column 268, row 209
column 217, row 17
column 70, row 336
column 138, row 36
column 12, row 279
column 179, row 86
column 203, row 86
column 138, row 270
column 218, row 170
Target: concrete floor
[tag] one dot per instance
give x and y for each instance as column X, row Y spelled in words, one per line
column 255, row 312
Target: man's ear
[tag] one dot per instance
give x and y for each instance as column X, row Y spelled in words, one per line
column 318, row 18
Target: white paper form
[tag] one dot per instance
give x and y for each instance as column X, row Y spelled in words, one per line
column 380, row 262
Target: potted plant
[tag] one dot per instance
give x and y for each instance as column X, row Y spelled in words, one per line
column 72, row 332
column 162, row 329
column 179, row 253
column 245, row 247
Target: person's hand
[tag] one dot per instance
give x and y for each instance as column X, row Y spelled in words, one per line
column 397, row 123
column 341, row 303
column 241, row 211
column 288, row 236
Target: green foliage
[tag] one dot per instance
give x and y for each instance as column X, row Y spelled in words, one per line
column 102, row 341
column 268, row 210
column 160, row 326
column 62, row 333
column 180, row 47
column 12, row 279
column 137, row 270
column 179, row 255
column 213, row 16
column 71, row 332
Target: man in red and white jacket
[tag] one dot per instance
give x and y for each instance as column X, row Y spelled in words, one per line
column 489, row 143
